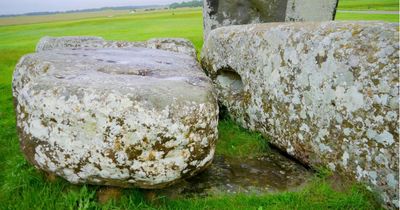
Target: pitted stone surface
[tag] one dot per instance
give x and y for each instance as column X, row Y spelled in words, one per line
column 124, row 117
column 70, row 42
column 326, row 93
column 218, row 13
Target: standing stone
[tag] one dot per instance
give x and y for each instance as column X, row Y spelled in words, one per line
column 326, row 93
column 219, row 13
column 132, row 117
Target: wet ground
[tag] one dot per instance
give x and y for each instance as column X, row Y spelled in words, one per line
column 272, row 172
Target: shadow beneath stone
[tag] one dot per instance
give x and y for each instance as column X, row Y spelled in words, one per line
column 106, row 194
column 270, row 173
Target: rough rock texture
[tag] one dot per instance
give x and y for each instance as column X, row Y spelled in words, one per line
column 70, row 42
column 219, row 13
column 123, row 117
column 326, row 93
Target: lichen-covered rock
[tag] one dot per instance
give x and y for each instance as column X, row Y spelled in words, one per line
column 326, row 93
column 70, row 42
column 124, row 117
column 219, row 13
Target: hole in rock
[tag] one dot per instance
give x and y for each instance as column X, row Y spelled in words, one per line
column 228, row 79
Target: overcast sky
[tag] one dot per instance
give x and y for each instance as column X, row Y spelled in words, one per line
column 25, row 6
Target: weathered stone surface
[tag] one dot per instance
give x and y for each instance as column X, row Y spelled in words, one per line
column 69, row 42
column 326, row 93
column 219, row 13
column 123, row 117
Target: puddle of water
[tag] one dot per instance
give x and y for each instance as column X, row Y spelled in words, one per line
column 272, row 172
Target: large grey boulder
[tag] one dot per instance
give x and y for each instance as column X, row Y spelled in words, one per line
column 219, row 13
column 71, row 42
column 132, row 117
column 326, row 93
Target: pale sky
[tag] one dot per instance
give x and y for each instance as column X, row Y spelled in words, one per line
column 25, row 6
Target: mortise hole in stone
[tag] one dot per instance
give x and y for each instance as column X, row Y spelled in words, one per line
column 229, row 79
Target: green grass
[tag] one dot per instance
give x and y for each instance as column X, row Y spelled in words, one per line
column 237, row 142
column 22, row 187
column 368, row 5
column 369, row 17
column 385, row 5
column 28, row 189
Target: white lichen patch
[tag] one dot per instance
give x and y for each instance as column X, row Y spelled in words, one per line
column 125, row 117
column 326, row 93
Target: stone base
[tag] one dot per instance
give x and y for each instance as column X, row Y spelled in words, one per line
column 132, row 117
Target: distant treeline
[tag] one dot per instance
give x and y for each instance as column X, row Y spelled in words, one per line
column 193, row 3
column 86, row 10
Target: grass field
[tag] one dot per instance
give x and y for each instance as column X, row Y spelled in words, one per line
column 22, row 187
column 368, row 5
column 369, row 17
column 384, row 5
column 107, row 14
